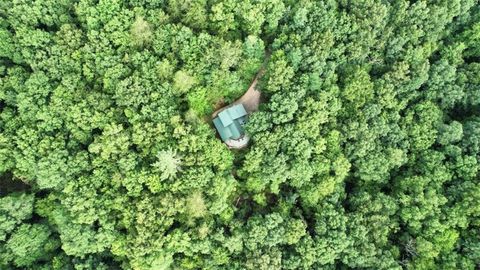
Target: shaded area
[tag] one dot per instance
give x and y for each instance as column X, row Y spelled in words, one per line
column 9, row 184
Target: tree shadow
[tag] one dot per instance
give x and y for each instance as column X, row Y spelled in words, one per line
column 9, row 184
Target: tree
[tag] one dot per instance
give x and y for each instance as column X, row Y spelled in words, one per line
column 141, row 32
column 30, row 243
column 14, row 209
column 168, row 164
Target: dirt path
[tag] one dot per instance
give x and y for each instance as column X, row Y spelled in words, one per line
column 251, row 98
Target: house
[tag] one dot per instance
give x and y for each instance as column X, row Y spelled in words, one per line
column 229, row 124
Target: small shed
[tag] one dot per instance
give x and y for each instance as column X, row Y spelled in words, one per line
column 230, row 122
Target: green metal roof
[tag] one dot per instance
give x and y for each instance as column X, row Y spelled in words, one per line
column 225, row 118
column 229, row 122
column 237, row 130
column 237, row 111
column 231, row 113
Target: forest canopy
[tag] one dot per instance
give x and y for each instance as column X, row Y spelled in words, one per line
column 364, row 154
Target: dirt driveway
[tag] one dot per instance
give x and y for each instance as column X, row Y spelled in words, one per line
column 250, row 100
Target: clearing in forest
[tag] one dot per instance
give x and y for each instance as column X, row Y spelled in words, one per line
column 250, row 100
column 228, row 126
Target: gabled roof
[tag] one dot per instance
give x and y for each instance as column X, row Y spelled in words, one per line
column 237, row 111
column 229, row 122
column 225, row 117
column 224, row 133
column 232, row 113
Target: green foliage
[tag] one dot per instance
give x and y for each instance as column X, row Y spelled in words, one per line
column 28, row 244
column 167, row 164
column 364, row 154
column 14, row 209
column 182, row 82
column 141, row 32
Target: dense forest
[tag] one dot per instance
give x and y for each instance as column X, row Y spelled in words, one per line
column 364, row 154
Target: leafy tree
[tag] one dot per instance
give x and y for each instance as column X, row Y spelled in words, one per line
column 168, row 164
column 28, row 244
column 15, row 208
column 141, row 32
